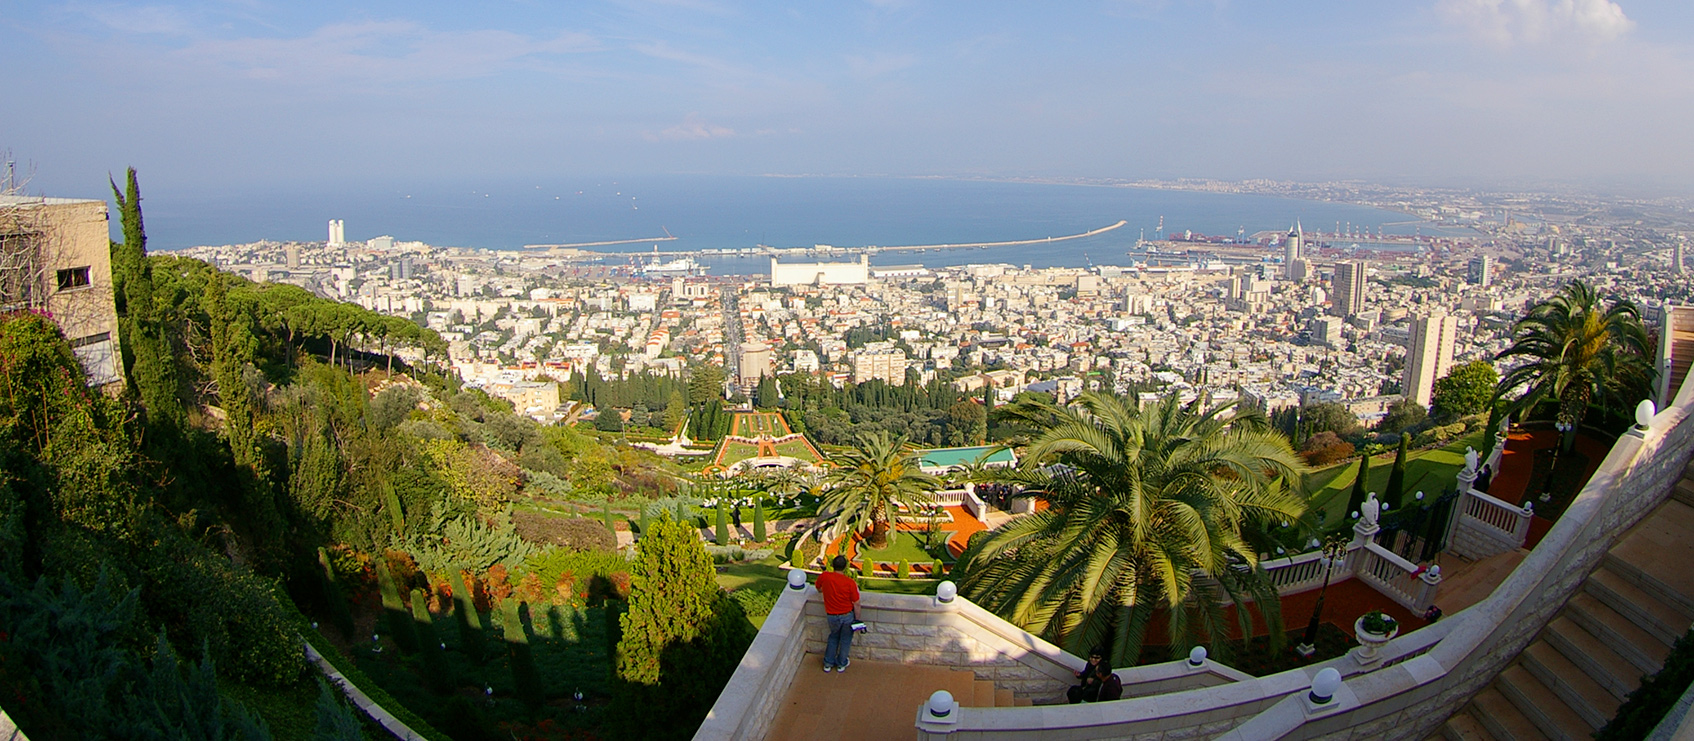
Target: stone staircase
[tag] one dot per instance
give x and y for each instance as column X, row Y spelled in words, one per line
column 823, row 707
column 1570, row 681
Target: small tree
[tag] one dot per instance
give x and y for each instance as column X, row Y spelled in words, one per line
column 1396, row 489
column 339, row 612
column 437, row 674
column 904, row 570
column 606, row 517
column 759, row 521
column 1360, row 483
column 1466, row 389
column 935, row 569
column 465, row 615
column 394, row 609
column 524, row 675
column 678, row 642
column 723, row 523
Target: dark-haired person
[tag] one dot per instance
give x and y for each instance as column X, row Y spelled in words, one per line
column 1086, row 676
column 1107, row 686
column 841, row 610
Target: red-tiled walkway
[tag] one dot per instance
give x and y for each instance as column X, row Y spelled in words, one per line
column 1517, row 465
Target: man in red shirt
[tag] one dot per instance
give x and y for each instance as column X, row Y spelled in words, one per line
column 841, row 609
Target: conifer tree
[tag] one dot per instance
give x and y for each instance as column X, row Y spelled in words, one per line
column 1360, row 482
column 152, row 369
column 1396, row 489
column 335, row 721
column 759, row 520
column 723, row 523
column 436, row 672
column 524, row 674
column 394, row 609
column 678, row 642
column 465, row 615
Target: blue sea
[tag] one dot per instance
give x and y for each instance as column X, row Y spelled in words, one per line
column 724, row 212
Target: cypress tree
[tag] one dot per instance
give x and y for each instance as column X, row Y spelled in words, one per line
column 643, row 525
column 606, row 517
column 759, row 520
column 524, row 675
column 339, row 612
column 465, row 614
column 151, row 370
column 394, row 609
column 723, row 523
column 436, row 672
column 1396, row 489
column 1361, row 480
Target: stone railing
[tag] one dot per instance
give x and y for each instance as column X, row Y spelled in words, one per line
column 975, row 505
column 1485, row 526
column 9, row 731
column 1399, row 579
column 1302, row 572
column 913, row 629
column 1420, row 678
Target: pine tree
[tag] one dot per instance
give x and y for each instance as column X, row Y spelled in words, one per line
column 1360, row 482
column 1396, row 490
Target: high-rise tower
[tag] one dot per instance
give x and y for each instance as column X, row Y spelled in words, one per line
column 1429, row 353
column 1481, row 271
column 337, row 233
column 1349, row 298
column 1293, row 244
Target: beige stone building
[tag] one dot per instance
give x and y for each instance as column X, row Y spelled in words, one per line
column 55, row 258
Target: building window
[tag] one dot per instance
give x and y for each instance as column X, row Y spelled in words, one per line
column 98, row 356
column 74, row 278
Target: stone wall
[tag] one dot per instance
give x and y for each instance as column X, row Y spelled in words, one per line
column 750, row 700
column 920, row 630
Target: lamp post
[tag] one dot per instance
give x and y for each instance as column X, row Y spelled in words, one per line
column 1333, row 550
column 1565, row 428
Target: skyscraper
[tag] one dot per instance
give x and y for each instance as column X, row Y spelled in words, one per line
column 1349, row 298
column 1481, row 271
column 337, row 233
column 1429, row 353
column 1292, row 244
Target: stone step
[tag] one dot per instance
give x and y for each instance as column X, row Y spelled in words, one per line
column 1022, row 702
column 1002, row 698
column 1653, row 552
column 1465, row 727
column 1684, row 491
column 1501, row 718
column 1593, row 657
column 982, row 695
column 1541, row 706
column 1580, row 692
column 1645, row 651
column 1619, row 593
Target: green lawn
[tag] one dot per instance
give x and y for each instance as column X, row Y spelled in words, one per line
column 1431, row 471
column 796, row 448
column 734, row 451
column 903, row 546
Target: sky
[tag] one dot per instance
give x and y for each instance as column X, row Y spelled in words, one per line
column 224, row 95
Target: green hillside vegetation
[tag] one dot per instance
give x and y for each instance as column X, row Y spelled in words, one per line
column 269, row 455
column 1430, row 471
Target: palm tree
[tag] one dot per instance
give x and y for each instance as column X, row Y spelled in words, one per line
column 868, row 484
column 1148, row 510
column 1579, row 351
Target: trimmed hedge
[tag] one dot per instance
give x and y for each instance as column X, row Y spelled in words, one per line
column 575, row 533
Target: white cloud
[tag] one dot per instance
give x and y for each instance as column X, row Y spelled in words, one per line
column 694, row 128
column 1505, row 23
